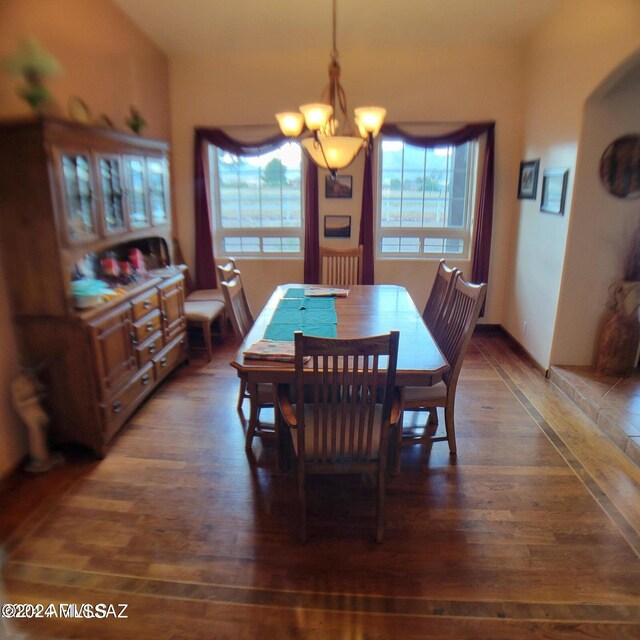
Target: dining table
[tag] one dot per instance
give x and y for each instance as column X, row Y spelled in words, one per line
column 365, row 310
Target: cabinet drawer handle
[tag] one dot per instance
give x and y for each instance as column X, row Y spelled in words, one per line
column 163, row 362
column 149, row 326
column 134, row 340
column 145, row 379
column 147, row 304
column 116, row 406
column 165, row 317
column 152, row 348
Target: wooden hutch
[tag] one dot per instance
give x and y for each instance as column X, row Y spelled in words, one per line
column 70, row 195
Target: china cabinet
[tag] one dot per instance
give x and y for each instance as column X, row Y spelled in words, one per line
column 70, row 196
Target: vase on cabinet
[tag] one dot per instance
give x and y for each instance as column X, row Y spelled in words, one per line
column 620, row 335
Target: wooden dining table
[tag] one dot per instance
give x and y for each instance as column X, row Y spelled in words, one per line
column 366, row 311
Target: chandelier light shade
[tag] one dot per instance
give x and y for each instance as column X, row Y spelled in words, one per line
column 331, row 140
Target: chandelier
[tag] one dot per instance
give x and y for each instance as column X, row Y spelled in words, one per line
column 331, row 141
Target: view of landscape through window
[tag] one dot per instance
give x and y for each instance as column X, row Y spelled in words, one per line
column 425, row 198
column 258, row 201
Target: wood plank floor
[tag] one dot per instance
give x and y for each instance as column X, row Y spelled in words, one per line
column 533, row 531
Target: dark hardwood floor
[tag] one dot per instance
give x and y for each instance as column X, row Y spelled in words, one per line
column 533, row 531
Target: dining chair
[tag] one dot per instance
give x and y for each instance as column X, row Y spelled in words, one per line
column 259, row 395
column 202, row 307
column 453, row 334
column 342, row 426
column 340, row 267
column 440, row 294
column 203, row 313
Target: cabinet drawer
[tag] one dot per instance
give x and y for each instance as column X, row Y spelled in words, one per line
column 144, row 304
column 145, row 328
column 148, row 349
column 174, row 353
column 122, row 404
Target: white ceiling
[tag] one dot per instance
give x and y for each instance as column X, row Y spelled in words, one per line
column 192, row 27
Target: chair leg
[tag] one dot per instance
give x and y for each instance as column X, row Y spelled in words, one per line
column 222, row 321
column 206, row 330
column 302, row 499
column 398, row 446
column 450, row 426
column 254, row 411
column 242, row 393
column 433, row 416
column 380, row 505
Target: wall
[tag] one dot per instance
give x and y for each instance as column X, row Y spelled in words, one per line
column 567, row 58
column 601, row 224
column 438, row 84
column 108, row 63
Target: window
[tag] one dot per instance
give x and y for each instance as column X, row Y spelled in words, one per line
column 257, row 202
column 425, row 199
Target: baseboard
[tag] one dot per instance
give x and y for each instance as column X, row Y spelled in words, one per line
column 484, row 329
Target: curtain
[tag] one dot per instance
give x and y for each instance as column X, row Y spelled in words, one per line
column 484, row 210
column 205, row 271
column 366, row 221
column 311, row 225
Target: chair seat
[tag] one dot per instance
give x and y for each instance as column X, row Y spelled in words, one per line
column 205, row 294
column 419, row 396
column 203, row 311
column 312, row 451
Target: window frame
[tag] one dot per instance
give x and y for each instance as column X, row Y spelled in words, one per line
column 221, row 233
column 466, row 232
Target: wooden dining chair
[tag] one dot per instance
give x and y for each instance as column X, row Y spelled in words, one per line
column 340, row 267
column 202, row 307
column 343, row 424
column 259, row 395
column 453, row 334
column 440, row 295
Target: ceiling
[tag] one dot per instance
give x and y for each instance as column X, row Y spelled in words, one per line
column 195, row 27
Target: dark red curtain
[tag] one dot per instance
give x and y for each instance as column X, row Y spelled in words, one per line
column 484, row 211
column 366, row 221
column 311, row 225
column 205, row 272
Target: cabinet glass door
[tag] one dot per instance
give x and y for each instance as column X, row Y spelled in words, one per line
column 135, row 171
column 111, row 186
column 157, row 175
column 79, row 200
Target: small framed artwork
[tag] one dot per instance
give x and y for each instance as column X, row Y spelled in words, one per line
column 554, row 190
column 338, row 186
column 337, row 226
column 528, row 182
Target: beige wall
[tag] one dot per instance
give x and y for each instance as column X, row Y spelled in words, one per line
column 567, row 59
column 437, row 84
column 108, row 63
column 600, row 225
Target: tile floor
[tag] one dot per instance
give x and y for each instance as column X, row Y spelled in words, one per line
column 613, row 403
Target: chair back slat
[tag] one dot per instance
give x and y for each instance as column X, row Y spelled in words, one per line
column 440, row 295
column 237, row 306
column 341, row 267
column 343, row 381
column 453, row 332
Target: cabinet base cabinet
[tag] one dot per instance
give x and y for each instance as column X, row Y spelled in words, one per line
column 94, row 379
column 120, row 407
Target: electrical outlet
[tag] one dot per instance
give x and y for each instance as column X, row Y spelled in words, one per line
column 524, row 327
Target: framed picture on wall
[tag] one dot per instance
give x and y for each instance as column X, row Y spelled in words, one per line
column 554, row 190
column 528, row 182
column 337, row 226
column 338, row 186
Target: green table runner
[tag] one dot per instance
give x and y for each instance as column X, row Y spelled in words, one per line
column 313, row 316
